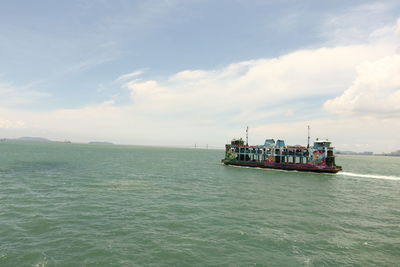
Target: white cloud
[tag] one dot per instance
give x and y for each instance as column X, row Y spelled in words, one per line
column 128, row 76
column 355, row 24
column 249, row 88
column 11, row 95
column 7, row 124
column 375, row 91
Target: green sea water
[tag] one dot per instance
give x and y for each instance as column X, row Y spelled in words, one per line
column 106, row 205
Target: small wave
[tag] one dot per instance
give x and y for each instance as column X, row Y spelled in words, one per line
column 374, row 176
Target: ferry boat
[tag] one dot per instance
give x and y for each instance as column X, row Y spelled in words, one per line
column 277, row 155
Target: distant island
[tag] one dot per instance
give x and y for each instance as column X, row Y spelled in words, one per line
column 42, row 139
column 33, row 139
column 100, row 143
column 369, row 153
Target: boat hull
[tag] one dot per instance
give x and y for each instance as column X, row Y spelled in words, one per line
column 283, row 166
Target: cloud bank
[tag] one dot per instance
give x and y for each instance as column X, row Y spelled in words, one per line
column 375, row 91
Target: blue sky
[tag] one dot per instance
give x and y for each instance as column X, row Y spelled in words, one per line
column 66, row 57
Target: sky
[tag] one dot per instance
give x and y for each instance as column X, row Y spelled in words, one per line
column 186, row 72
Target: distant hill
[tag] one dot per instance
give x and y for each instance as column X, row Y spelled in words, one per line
column 33, row 139
column 100, row 143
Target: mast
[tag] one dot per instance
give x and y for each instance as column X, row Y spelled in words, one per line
column 308, row 142
column 247, row 136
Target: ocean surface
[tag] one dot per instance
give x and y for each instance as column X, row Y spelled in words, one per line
column 108, row 205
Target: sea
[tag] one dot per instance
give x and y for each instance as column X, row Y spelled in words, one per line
column 112, row 205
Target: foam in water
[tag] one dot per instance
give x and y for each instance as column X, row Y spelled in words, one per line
column 374, row 176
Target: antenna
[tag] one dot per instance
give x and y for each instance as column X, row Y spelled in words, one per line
column 247, row 136
column 308, row 143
